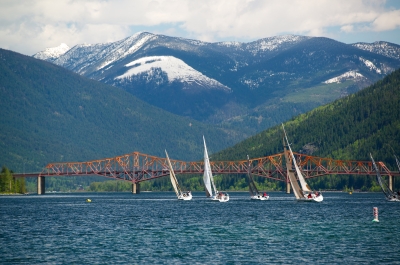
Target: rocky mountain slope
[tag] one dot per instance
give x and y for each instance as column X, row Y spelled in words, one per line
column 244, row 86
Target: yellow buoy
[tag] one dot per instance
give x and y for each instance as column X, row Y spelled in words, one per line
column 88, row 200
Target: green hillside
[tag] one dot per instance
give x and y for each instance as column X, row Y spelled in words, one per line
column 49, row 114
column 348, row 129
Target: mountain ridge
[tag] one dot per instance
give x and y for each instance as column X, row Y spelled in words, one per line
column 263, row 76
column 50, row 114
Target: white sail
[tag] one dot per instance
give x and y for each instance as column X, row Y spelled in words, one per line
column 300, row 196
column 172, row 176
column 211, row 191
column 385, row 189
column 303, row 183
column 397, row 162
column 293, row 181
column 207, row 172
column 292, row 178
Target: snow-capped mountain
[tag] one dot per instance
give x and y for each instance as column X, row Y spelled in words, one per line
column 50, row 54
column 175, row 69
column 387, row 49
column 251, row 85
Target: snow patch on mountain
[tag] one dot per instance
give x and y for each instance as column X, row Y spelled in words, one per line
column 230, row 44
column 346, row 76
column 176, row 70
column 50, row 54
column 274, row 43
column 128, row 46
column 370, row 65
column 384, row 48
column 267, row 44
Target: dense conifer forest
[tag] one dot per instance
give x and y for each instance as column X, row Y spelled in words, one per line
column 101, row 121
column 347, row 129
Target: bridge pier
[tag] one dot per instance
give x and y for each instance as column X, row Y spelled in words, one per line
column 288, row 187
column 135, row 188
column 41, row 185
column 391, row 182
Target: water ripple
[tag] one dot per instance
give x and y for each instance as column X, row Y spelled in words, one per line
column 156, row 228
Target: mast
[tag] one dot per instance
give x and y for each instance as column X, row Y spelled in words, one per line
column 252, row 185
column 172, row 176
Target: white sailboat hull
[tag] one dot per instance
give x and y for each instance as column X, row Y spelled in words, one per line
column 220, row 198
column 259, row 198
column 223, row 199
column 393, row 199
column 214, row 198
column 319, row 198
column 185, row 197
column 313, row 198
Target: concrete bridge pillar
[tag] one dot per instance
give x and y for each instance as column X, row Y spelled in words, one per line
column 135, row 188
column 41, row 185
column 288, row 187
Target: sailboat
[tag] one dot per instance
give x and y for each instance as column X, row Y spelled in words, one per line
column 304, row 193
column 390, row 195
column 208, row 178
column 186, row 196
column 254, row 194
column 397, row 162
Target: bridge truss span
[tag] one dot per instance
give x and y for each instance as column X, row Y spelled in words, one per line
column 137, row 167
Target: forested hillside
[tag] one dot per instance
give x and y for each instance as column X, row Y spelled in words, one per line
column 248, row 87
column 50, row 114
column 348, row 129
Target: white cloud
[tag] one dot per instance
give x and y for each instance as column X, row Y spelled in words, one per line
column 47, row 23
column 387, row 21
column 347, row 28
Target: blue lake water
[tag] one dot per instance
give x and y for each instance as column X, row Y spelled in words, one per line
column 155, row 228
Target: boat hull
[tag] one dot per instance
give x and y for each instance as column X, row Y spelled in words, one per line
column 319, row 198
column 224, row 199
column 219, row 198
column 393, row 199
column 259, row 198
column 313, row 198
column 185, row 197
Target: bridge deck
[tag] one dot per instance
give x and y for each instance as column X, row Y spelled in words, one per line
column 137, row 167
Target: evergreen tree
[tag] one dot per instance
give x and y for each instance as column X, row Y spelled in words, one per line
column 7, row 179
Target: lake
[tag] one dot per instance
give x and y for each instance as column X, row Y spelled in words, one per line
column 156, row 228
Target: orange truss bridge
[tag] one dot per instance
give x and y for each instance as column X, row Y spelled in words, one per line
column 137, row 167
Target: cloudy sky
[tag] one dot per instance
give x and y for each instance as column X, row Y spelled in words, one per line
column 29, row 26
